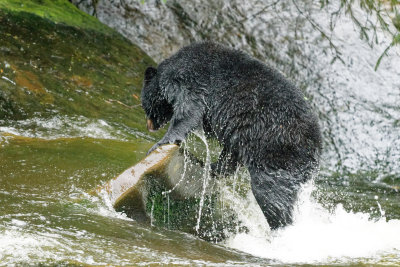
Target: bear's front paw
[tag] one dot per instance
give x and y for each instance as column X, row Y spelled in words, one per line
column 163, row 142
column 156, row 145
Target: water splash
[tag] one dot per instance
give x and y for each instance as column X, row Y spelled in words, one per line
column 152, row 212
column 185, row 162
column 317, row 235
column 168, row 211
column 17, row 246
column 104, row 206
column 8, row 80
column 206, row 176
column 382, row 212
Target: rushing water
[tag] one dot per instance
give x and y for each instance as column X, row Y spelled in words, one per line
column 48, row 218
column 320, row 237
column 349, row 215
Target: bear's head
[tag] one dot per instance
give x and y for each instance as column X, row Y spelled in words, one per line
column 158, row 110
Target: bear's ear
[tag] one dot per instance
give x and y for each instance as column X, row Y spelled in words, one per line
column 149, row 74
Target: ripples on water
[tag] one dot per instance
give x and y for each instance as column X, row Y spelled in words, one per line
column 47, row 218
column 69, row 126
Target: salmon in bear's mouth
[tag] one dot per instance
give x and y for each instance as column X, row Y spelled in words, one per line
column 150, row 125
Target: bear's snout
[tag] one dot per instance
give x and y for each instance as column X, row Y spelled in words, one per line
column 150, row 125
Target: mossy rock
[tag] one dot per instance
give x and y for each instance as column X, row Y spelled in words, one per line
column 166, row 190
column 57, row 11
column 57, row 60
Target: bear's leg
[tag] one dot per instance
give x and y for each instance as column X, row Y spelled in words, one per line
column 188, row 115
column 226, row 164
column 276, row 193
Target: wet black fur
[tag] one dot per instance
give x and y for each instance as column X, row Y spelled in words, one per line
column 260, row 118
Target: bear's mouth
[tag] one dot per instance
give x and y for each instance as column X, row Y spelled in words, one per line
column 150, row 125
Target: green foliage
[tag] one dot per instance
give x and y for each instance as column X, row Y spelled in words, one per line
column 58, row 11
column 396, row 21
column 366, row 26
column 396, row 41
column 377, row 19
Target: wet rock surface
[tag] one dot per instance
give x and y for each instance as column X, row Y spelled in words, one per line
column 60, row 70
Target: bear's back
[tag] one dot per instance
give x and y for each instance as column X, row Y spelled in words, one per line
column 247, row 101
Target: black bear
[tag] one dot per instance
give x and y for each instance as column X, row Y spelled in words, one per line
column 261, row 119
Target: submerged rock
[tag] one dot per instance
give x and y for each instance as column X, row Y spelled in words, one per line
column 166, row 189
column 125, row 191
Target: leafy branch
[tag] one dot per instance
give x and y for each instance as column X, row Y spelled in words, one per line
column 322, row 32
column 396, row 41
column 374, row 9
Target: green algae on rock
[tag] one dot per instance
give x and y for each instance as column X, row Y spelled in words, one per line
column 58, row 11
column 56, row 60
column 165, row 189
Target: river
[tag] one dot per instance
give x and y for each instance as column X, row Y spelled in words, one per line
column 349, row 214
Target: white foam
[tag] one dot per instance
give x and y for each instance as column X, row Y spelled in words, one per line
column 318, row 236
column 16, row 246
column 5, row 78
column 63, row 126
